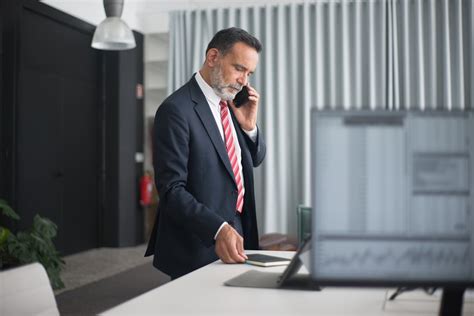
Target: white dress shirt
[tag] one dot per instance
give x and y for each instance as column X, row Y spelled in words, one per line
column 213, row 100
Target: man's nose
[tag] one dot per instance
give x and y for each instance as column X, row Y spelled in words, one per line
column 242, row 80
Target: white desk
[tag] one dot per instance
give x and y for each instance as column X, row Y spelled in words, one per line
column 203, row 292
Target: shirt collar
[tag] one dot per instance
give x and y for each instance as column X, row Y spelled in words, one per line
column 209, row 93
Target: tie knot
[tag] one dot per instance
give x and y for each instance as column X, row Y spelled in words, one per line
column 223, row 104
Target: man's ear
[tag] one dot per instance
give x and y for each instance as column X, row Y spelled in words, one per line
column 212, row 57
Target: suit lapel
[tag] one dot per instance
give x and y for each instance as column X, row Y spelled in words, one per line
column 204, row 113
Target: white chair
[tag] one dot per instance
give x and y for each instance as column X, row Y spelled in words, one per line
column 26, row 291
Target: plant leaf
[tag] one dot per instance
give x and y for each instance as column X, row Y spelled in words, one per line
column 44, row 227
column 35, row 245
column 4, row 233
column 8, row 211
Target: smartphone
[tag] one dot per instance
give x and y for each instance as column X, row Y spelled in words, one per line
column 242, row 97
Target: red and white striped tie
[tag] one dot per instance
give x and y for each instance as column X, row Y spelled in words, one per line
column 230, row 146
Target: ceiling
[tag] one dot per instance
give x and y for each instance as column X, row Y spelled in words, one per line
column 146, row 16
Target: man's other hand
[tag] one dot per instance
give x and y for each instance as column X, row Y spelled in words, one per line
column 230, row 245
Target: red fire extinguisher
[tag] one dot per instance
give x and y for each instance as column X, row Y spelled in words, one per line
column 146, row 189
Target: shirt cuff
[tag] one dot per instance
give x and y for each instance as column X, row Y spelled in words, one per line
column 252, row 134
column 215, row 236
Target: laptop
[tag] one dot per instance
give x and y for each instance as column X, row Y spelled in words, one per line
column 289, row 279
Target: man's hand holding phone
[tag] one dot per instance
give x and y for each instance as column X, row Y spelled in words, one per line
column 246, row 112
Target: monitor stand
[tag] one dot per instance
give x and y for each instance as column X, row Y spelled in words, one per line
column 451, row 301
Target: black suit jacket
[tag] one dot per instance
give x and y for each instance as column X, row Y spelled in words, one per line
column 196, row 184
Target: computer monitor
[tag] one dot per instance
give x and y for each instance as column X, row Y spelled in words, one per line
column 392, row 198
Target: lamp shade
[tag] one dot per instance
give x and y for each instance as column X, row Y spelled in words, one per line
column 113, row 34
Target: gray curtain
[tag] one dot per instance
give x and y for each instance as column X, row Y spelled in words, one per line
column 391, row 54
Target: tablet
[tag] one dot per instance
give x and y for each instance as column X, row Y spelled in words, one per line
column 266, row 260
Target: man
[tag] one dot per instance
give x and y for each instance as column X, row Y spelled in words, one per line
column 204, row 149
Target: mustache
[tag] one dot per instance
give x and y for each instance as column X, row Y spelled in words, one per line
column 236, row 86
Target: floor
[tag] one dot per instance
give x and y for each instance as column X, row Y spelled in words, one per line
column 96, row 264
column 99, row 279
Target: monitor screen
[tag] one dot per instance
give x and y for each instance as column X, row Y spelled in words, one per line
column 392, row 198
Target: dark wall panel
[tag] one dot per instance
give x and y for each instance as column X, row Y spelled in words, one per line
column 127, row 134
column 110, row 233
column 39, row 155
column 70, row 127
column 124, row 113
column 2, row 143
column 7, row 17
column 81, row 164
column 57, row 46
column 58, row 129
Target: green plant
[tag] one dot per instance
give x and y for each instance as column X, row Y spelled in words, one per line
column 33, row 245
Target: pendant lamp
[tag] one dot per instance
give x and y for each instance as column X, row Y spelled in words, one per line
column 113, row 33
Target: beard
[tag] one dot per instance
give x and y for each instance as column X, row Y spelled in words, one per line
column 220, row 87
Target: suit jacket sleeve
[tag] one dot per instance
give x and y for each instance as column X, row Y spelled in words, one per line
column 257, row 149
column 170, row 160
